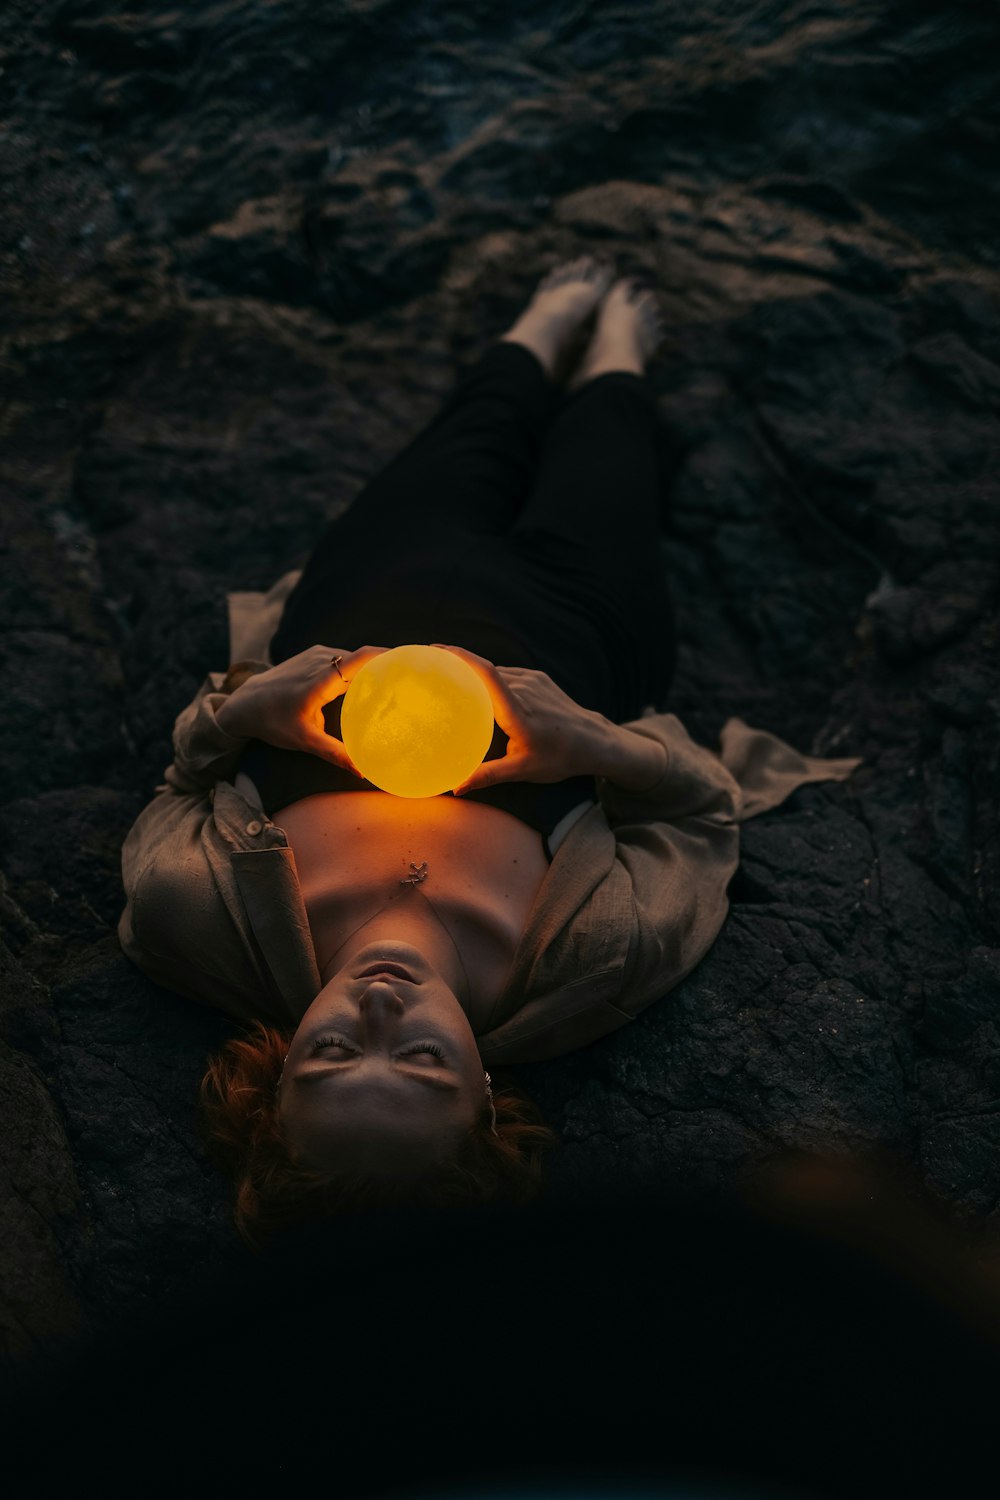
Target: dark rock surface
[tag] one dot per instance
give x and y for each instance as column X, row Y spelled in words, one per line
column 246, row 249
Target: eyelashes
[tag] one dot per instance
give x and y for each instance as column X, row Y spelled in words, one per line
column 338, row 1041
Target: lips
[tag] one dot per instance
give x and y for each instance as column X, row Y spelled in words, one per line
column 384, row 967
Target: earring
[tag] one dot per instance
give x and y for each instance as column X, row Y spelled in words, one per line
column 489, row 1095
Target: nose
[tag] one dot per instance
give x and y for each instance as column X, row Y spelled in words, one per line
column 378, row 1003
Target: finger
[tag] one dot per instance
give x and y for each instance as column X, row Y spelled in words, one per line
column 483, row 661
column 355, row 661
column 319, row 741
column 329, row 655
column 471, row 656
column 346, row 650
column 501, row 700
column 365, row 653
column 491, row 773
column 328, row 747
column 331, row 661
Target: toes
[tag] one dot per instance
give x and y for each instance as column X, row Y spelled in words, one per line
column 640, row 293
column 583, row 268
column 639, row 289
column 603, row 271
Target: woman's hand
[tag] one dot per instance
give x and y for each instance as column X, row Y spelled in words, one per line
column 284, row 705
column 551, row 737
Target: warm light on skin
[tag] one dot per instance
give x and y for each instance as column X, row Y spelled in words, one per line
column 377, row 1105
column 416, row 721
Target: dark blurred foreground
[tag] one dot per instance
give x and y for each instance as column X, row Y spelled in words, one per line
column 823, row 1332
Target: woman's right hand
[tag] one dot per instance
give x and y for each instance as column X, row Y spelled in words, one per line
column 284, row 705
column 550, row 736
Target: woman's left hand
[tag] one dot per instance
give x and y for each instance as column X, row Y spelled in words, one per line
column 284, row 705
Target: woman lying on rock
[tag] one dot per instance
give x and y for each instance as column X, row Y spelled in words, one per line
column 384, row 953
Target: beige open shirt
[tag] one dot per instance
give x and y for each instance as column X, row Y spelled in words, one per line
column 633, row 899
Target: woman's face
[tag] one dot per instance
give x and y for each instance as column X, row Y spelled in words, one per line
column 383, row 1073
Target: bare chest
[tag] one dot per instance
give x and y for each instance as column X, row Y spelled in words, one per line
column 480, row 867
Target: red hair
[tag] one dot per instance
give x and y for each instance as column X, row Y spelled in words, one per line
column 239, row 1110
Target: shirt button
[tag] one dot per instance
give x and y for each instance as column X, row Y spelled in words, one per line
column 254, row 827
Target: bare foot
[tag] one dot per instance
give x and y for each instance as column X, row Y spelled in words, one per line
column 565, row 298
column 629, row 330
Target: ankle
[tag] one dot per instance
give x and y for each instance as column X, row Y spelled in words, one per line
column 611, row 357
column 544, row 349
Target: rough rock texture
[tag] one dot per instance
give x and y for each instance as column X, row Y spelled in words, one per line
column 246, row 249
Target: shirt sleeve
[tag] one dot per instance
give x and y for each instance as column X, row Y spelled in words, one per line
column 203, row 752
column 695, row 782
column 181, row 925
column 676, row 850
column 662, row 903
column 677, row 845
column 177, row 926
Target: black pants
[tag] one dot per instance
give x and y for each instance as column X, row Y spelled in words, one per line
column 521, row 523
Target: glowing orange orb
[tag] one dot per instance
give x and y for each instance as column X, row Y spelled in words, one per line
column 416, row 721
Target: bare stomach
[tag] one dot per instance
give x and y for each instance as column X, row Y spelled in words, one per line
column 484, row 870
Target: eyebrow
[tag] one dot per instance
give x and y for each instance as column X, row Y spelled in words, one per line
column 430, row 1079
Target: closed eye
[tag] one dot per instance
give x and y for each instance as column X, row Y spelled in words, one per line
column 338, row 1043
column 325, row 1043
